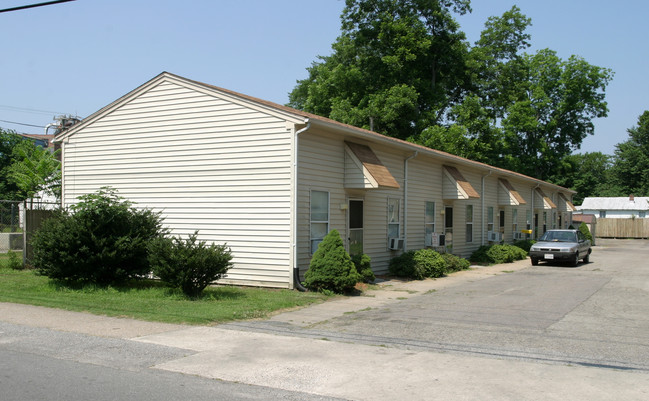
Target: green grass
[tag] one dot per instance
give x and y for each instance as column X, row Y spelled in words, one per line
column 149, row 300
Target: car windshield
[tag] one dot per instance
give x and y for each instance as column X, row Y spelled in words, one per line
column 559, row 236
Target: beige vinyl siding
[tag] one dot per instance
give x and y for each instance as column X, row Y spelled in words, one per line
column 424, row 185
column 206, row 163
column 321, row 167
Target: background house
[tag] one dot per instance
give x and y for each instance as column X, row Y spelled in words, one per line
column 616, row 207
column 272, row 181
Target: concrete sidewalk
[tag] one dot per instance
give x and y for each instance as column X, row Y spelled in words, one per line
column 346, row 370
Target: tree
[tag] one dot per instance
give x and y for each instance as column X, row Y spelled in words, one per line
column 630, row 169
column 33, row 170
column 396, row 68
column 8, row 140
column 404, row 69
column 552, row 111
column 588, row 174
column 528, row 110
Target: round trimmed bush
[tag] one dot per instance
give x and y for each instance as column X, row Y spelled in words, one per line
column 331, row 268
column 431, row 262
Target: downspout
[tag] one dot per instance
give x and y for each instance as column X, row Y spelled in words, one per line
column 532, row 223
column 405, row 200
column 296, row 269
column 482, row 222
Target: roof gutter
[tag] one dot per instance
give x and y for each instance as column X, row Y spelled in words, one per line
column 376, row 137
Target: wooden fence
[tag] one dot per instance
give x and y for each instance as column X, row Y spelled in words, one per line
column 623, row 228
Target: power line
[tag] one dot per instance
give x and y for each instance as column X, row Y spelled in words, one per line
column 47, row 3
column 28, row 125
column 28, row 110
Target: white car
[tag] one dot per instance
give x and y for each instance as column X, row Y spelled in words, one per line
column 561, row 246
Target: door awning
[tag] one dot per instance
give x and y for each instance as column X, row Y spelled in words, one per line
column 544, row 200
column 507, row 195
column 364, row 170
column 566, row 204
column 455, row 186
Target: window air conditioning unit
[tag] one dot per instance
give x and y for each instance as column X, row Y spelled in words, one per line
column 395, row 243
column 494, row 236
column 518, row 235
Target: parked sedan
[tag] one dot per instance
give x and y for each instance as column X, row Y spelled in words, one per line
column 561, row 246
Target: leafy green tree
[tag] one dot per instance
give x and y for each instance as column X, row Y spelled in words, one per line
column 553, row 111
column 630, row 169
column 396, row 68
column 537, row 108
column 589, row 174
column 33, row 170
column 8, row 141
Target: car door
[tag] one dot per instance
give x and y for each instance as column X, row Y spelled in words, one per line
column 582, row 244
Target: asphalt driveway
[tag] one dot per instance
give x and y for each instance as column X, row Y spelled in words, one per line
column 592, row 315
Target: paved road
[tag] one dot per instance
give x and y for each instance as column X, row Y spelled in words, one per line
column 50, row 365
column 512, row 332
column 592, row 315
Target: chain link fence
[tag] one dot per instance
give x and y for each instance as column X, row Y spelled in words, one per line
column 11, row 227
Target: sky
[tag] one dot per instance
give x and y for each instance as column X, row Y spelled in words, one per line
column 77, row 57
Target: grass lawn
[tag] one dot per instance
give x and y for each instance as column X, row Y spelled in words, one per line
column 149, row 300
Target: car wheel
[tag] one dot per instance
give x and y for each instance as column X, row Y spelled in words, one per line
column 534, row 261
column 575, row 261
column 587, row 258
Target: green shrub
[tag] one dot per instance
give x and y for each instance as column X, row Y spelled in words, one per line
column 430, row 262
column 364, row 267
column 404, row 266
column 495, row 254
column 188, row 264
column 15, row 261
column 104, row 240
column 524, row 244
column 331, row 268
column 455, row 263
column 583, row 227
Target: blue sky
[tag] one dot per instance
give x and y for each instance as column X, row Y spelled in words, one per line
column 77, row 57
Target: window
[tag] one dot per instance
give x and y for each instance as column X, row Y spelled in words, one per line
column 319, row 218
column 394, row 227
column 469, row 223
column 490, row 218
column 602, row 213
column 429, row 223
column 515, row 222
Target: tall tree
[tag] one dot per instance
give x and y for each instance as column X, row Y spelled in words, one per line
column 396, row 68
column 631, row 161
column 8, row 141
column 34, row 170
column 587, row 173
column 528, row 111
